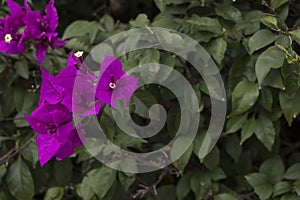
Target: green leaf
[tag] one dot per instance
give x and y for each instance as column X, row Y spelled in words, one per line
column 103, row 180
column 293, row 172
column 108, row 22
column 277, row 3
column 77, row 29
column 212, row 160
column 183, row 186
column 200, row 184
column 21, row 68
column 86, row 187
column 236, row 123
column 79, row 43
column 54, row 193
column 161, row 4
column 63, row 171
column 250, row 22
column 93, row 30
column 2, row 67
column 100, row 51
column 206, row 24
column 2, row 171
column 143, row 100
column 273, row 168
column 273, row 79
column 217, row 49
column 228, row 12
column 296, row 35
column 244, row 96
column 185, row 157
column 297, row 187
column 290, row 105
column 290, row 197
column 30, row 153
column 273, row 57
column 266, row 99
column 19, row 181
column 140, row 21
column 225, row 196
column 260, row 39
column 248, row 130
column 126, row 181
column 216, row 174
column 264, row 131
column 281, row 188
column 261, row 185
column 233, row 147
column 150, row 56
column 270, row 21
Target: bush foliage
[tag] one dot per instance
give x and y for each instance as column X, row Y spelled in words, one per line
column 255, row 45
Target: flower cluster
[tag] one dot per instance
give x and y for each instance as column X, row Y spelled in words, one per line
column 59, row 102
column 23, row 24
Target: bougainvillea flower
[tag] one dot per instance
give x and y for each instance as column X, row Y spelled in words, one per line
column 42, row 29
column 112, row 79
column 17, row 13
column 11, row 41
column 80, row 99
column 50, row 92
column 56, row 133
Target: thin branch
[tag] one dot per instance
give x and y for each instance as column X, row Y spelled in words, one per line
column 2, row 119
column 13, row 152
column 147, row 190
column 276, row 15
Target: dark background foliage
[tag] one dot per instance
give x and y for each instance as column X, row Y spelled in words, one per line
column 255, row 45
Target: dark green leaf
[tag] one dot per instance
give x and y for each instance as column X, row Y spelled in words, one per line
column 225, row 196
column 281, row 188
column 126, row 181
column 260, row 39
column 228, row 12
column 293, row 172
column 161, row 4
column 76, row 29
column 54, row 193
column 103, row 180
column 212, row 160
column 206, row 24
column 19, row 181
column 21, row 68
column 183, row 187
column 217, row 49
column 244, row 96
column 273, row 168
column 264, row 131
column 140, row 21
column 63, row 171
column 236, row 123
column 261, row 186
column 273, row 57
column 277, row 3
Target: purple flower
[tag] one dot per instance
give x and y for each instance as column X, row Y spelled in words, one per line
column 56, row 134
column 51, row 93
column 10, row 40
column 42, row 29
column 113, row 79
column 16, row 12
column 80, row 100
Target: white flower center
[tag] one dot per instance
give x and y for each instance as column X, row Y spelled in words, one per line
column 78, row 54
column 8, row 38
column 112, row 85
